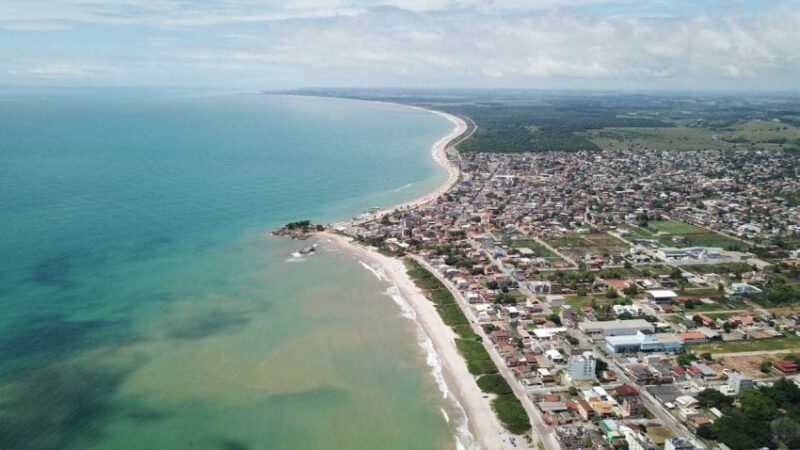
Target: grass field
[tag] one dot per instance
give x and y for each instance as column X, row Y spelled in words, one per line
column 539, row 249
column 783, row 343
column 753, row 134
column 719, row 269
column 576, row 302
column 692, row 236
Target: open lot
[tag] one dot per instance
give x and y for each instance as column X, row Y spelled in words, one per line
column 750, row 345
column 674, row 233
column 578, row 245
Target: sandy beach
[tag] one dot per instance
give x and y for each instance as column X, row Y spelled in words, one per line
column 439, row 154
column 485, row 431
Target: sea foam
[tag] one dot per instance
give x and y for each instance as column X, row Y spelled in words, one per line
column 464, row 439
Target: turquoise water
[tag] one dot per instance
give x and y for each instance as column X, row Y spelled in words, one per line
column 143, row 305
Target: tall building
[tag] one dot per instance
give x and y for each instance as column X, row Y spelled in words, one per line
column 738, row 383
column 628, row 397
column 581, row 367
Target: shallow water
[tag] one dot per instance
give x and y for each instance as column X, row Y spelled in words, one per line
column 143, row 306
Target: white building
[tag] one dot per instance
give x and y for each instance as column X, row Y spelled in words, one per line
column 738, row 383
column 615, row 327
column 661, row 296
column 581, row 367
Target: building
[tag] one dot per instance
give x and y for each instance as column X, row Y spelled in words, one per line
column 643, row 341
column 662, row 297
column 738, row 383
column 636, row 440
column 615, row 327
column 581, row 367
column 628, row 397
column 679, row 443
column 555, row 300
column 785, row 366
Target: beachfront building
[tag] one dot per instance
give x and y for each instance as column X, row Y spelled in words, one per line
column 581, row 367
column 615, row 327
column 643, row 341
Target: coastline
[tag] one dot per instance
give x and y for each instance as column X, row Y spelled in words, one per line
column 439, row 155
column 484, row 429
column 481, row 428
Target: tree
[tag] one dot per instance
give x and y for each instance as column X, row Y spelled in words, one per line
column 706, row 431
column 726, row 327
column 785, row 432
column 611, row 293
column 582, row 292
column 712, row 398
column 706, row 356
column 689, row 304
column 632, row 290
column 765, row 366
column 600, row 367
column 684, row 358
column 573, row 391
column 554, row 318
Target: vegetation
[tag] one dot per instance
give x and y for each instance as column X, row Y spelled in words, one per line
column 494, row 383
column 712, row 398
column 511, row 413
column 767, row 417
column 507, row 407
column 478, row 360
column 749, row 345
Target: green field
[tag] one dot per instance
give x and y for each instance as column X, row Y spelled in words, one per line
column 755, row 345
column 719, row 269
column 539, row 249
column 692, row 236
column 752, row 134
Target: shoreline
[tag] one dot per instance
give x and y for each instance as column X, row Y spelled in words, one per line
column 438, row 153
column 484, row 428
column 481, row 429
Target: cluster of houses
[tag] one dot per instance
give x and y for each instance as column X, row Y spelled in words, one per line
column 489, row 235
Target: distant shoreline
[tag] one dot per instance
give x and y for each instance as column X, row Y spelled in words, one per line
column 482, row 429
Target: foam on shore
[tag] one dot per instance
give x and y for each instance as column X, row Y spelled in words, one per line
column 464, row 439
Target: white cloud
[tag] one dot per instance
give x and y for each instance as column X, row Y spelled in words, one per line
column 448, row 42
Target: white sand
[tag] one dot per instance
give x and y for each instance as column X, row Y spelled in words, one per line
column 483, row 425
column 439, row 153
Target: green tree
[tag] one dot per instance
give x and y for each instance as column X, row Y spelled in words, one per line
column 785, row 433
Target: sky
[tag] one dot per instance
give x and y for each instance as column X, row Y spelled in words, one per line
column 273, row 44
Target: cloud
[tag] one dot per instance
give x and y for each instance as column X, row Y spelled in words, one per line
column 447, row 43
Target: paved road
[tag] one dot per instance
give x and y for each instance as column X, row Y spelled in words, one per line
column 543, row 432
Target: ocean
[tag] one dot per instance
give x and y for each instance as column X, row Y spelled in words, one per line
column 143, row 304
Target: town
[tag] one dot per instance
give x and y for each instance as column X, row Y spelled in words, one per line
column 634, row 300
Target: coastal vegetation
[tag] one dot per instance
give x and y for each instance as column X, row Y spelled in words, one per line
column 536, row 121
column 506, row 405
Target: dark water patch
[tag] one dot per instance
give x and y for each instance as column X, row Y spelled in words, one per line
column 52, row 271
column 56, row 337
column 54, row 406
column 230, row 444
column 144, row 415
column 209, row 325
